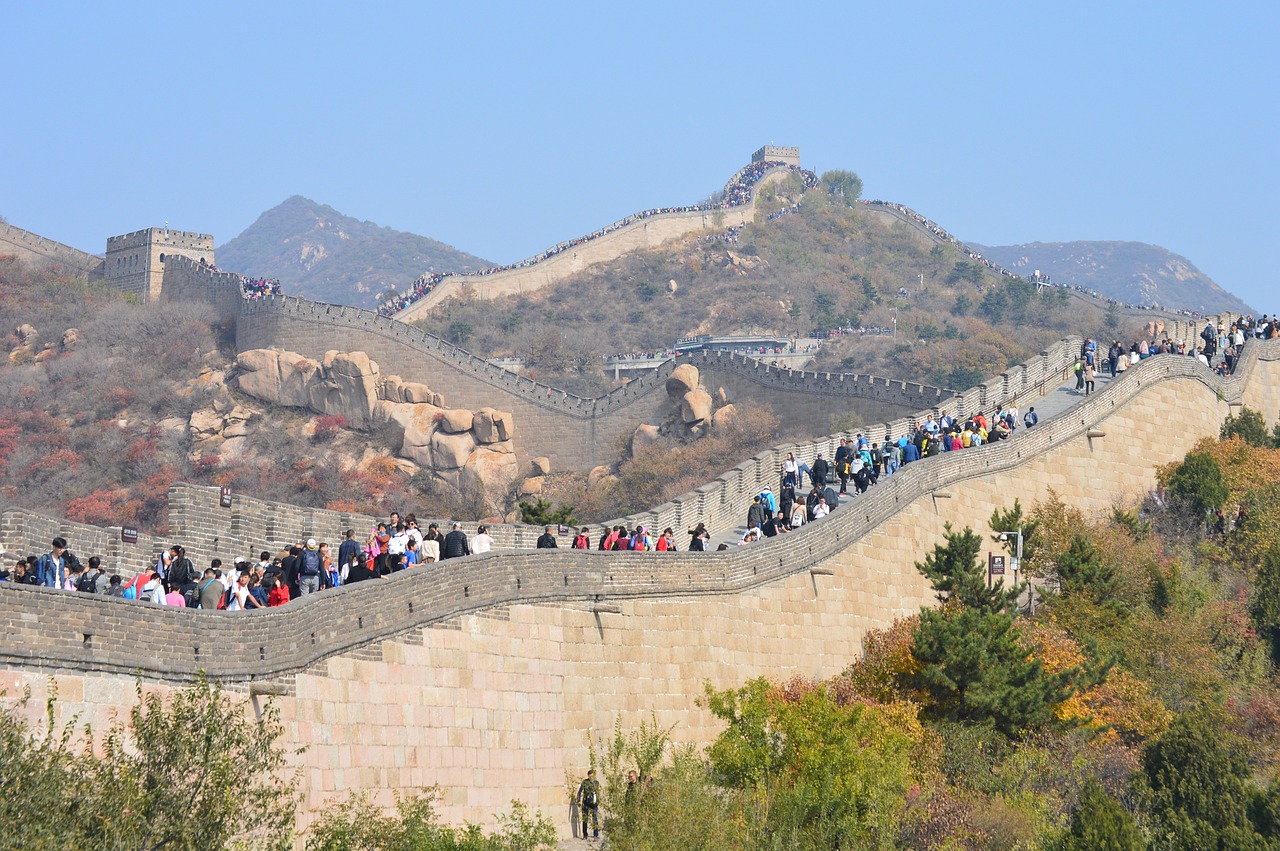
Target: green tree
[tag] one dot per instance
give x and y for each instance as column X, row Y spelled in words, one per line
column 1099, row 823
column 1083, row 570
column 974, row 663
column 1195, row 783
column 843, row 185
column 540, row 512
column 1112, row 317
column 823, row 773
column 1248, row 426
column 459, row 332
column 1198, row 484
column 1264, row 607
column 178, row 774
column 963, row 305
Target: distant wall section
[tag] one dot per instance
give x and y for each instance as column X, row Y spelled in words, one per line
column 36, row 250
column 574, row 432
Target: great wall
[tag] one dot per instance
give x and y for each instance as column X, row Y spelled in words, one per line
column 489, row 678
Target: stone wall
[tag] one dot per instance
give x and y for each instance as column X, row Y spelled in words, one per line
column 188, row 280
column 574, row 432
column 35, row 249
column 648, row 232
column 489, row 677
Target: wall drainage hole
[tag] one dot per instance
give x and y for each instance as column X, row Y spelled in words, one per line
column 262, row 654
column 466, row 590
column 88, row 639
column 360, row 623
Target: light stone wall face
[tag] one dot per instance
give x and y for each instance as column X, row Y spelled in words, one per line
column 500, row 703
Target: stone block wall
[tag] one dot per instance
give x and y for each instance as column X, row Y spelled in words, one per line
column 489, row 677
column 33, row 248
column 188, row 280
column 574, row 432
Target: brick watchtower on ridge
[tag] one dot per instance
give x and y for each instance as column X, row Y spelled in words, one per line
column 135, row 261
column 777, row 153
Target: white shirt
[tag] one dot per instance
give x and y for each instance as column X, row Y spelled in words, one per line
column 397, row 544
column 482, row 543
column 238, row 595
column 821, row 510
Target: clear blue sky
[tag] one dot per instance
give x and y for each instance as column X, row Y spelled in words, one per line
column 503, row 128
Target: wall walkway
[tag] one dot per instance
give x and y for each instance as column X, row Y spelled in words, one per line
column 488, row 675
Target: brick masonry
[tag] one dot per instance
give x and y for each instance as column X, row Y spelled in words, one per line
column 488, row 676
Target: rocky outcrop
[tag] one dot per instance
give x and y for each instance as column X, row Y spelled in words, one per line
column 459, row 447
column 342, row 385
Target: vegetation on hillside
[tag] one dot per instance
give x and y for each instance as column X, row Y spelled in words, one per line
column 1132, row 272
column 99, row 432
column 826, row 266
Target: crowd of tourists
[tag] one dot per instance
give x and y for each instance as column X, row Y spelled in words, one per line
column 740, row 191
column 251, row 288
column 273, row 579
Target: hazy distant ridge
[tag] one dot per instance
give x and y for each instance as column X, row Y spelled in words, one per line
column 1132, row 272
column 321, row 254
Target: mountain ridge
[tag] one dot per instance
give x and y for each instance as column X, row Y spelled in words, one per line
column 1129, row 271
column 322, row 254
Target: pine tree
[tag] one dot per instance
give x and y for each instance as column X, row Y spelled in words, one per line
column 974, row 663
column 1101, row 824
column 1197, row 789
column 1264, row 608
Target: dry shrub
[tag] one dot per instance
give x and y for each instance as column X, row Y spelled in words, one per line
column 670, row 468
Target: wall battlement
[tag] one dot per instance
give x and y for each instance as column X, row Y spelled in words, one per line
column 31, row 247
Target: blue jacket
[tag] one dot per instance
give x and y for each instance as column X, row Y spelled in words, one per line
column 51, row 572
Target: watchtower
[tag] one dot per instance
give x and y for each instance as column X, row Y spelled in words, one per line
column 135, row 261
column 777, row 153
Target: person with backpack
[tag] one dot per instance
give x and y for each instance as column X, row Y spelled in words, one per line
column 181, row 572
column 211, row 591
column 588, row 801
column 94, row 580
column 310, row 568
column 1030, row 418
column 51, row 569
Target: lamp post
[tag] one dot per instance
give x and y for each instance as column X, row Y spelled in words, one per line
column 1017, row 564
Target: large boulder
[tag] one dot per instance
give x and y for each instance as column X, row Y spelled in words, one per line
column 296, row 376
column 260, row 374
column 492, row 426
column 682, row 379
column 695, row 407
column 348, row 387
column 417, row 392
column 450, row 451
column 70, row 337
column 723, row 416
column 455, row 420
column 490, row 470
column 644, row 436
column 541, row 465
column 600, row 476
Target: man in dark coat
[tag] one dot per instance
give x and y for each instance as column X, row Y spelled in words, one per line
column 547, row 540
column 455, row 544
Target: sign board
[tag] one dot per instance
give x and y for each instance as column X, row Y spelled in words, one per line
column 995, row 565
column 128, row 535
column 225, row 499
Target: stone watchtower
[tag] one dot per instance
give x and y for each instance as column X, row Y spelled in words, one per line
column 135, row 261
column 777, row 153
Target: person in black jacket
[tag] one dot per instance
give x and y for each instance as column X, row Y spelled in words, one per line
column 821, row 469
column 348, row 549
column 455, row 544
column 547, row 540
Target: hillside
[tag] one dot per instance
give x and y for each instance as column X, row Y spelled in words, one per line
column 1131, row 272
column 320, row 254
column 826, row 266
